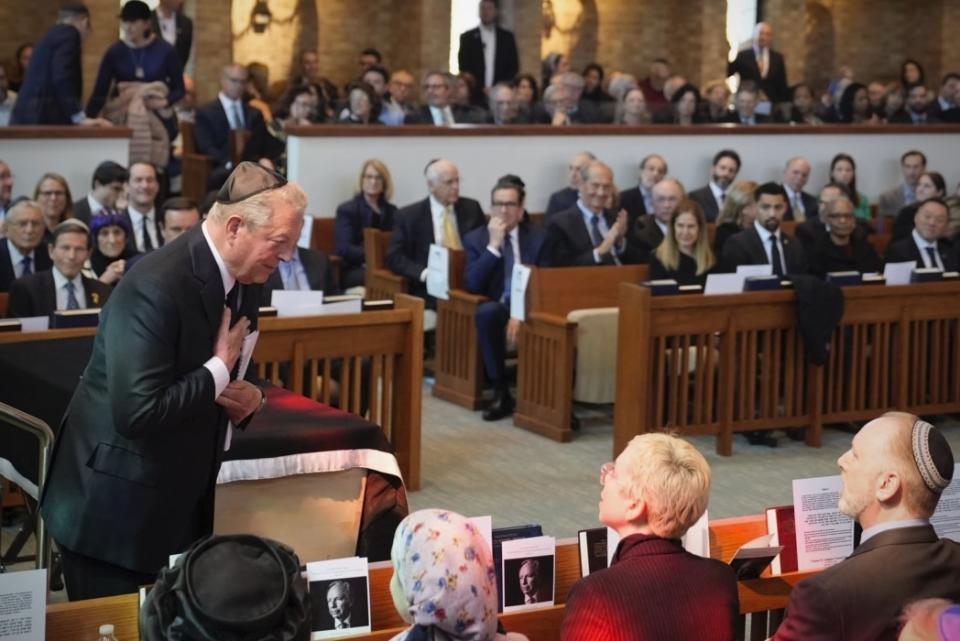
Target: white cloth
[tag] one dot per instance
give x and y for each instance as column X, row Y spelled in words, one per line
column 232, row 109
column 136, row 221
column 765, row 235
column 922, row 245
column 216, row 367
column 488, row 37
column 60, row 284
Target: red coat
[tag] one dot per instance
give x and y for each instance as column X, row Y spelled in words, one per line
column 654, row 591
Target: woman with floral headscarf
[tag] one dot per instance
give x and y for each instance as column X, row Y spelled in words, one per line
column 443, row 582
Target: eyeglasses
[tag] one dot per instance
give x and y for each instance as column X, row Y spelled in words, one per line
column 376, row 177
column 26, row 223
column 607, row 470
column 840, row 216
column 53, row 194
column 498, row 204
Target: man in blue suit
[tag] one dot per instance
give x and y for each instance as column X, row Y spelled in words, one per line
column 492, row 251
column 50, row 94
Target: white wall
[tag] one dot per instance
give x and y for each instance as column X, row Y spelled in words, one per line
column 327, row 166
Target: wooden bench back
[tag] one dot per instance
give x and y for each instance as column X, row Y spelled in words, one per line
column 321, row 236
column 375, row 244
column 559, row 290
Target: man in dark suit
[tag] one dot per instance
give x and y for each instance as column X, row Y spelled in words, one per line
column 134, row 467
column 762, row 65
column 50, row 94
column 62, row 286
column 647, row 232
column 927, row 244
column 440, row 110
column 567, row 197
column 917, row 108
column 946, row 107
column 764, row 243
column 745, row 107
column 726, row 166
column 21, row 253
column 170, row 23
column 215, row 120
column 308, row 269
column 503, row 106
column 492, row 251
column 443, row 218
column 563, row 104
column 488, row 52
column 652, row 494
column 638, row 201
column 588, row 233
column 6, row 192
column 106, row 188
column 843, row 247
column 141, row 212
column 800, row 204
column 912, row 165
column 814, row 228
column 893, row 476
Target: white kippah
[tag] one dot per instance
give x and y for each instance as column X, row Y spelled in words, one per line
column 932, row 477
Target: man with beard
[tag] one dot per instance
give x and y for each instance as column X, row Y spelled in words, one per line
column 726, row 166
column 893, row 475
column 764, row 243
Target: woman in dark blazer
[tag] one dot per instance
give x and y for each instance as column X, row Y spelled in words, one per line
column 685, row 254
column 371, row 207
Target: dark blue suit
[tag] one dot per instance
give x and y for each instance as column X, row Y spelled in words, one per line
column 50, row 94
column 484, row 274
column 41, row 262
column 353, row 216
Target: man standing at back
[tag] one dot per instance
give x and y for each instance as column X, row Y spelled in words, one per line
column 893, row 475
column 488, row 52
column 133, row 472
column 762, row 65
column 50, row 94
column 170, row 23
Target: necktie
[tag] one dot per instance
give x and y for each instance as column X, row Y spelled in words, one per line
column 451, row 239
column 72, row 302
column 932, row 255
column 775, row 256
column 447, row 118
column 723, row 197
column 763, row 63
column 27, row 269
column 237, row 117
column 595, row 234
column 798, row 214
column 147, row 241
column 507, row 267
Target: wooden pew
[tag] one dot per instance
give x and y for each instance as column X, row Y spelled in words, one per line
column 723, row 364
column 762, row 599
column 197, row 166
column 381, row 283
column 4, row 303
column 546, row 345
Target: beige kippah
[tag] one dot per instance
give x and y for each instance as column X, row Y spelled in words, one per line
column 933, row 457
column 246, row 180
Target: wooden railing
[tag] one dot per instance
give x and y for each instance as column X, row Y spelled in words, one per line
column 723, row 364
column 381, row 283
column 762, row 600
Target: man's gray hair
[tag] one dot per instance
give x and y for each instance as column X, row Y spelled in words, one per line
column 832, row 205
column 571, row 78
column 448, row 78
column 23, row 205
column 344, row 586
column 257, row 210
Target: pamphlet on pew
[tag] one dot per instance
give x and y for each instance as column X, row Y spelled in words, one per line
column 946, row 520
column 23, row 605
column 339, row 598
column 518, row 291
column 438, row 272
column 824, row 534
column 501, row 535
column 528, row 573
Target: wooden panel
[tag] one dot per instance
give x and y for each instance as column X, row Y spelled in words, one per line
column 381, row 283
column 458, row 367
column 321, row 235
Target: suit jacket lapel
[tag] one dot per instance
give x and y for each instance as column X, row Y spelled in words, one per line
column 48, row 293
column 425, row 225
column 581, row 230
column 208, row 277
column 756, row 247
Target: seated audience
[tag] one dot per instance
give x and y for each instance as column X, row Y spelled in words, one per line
column 843, row 173
column 717, row 101
column 814, row 227
column 371, row 207
column 552, row 65
column 21, row 60
column 945, row 107
column 526, row 93
column 363, row 105
column 930, row 185
column 638, row 201
column 927, row 244
column 854, row 107
column 843, row 248
column 492, row 251
column 8, row 98
column 916, row 109
column 398, row 101
column 440, row 108
column 803, row 106
column 684, row 255
column 62, row 286
column 256, row 91
column 21, row 253
column 647, row 232
column 593, row 84
column 738, row 213
column 141, row 211
column 683, row 108
column 764, row 243
column 308, row 269
column 6, row 192
column 308, row 73
column 299, row 108
column 653, row 85
column 377, row 77
column 745, row 107
column 53, row 194
column 571, row 108
column 444, row 584
column 912, row 73
column 111, row 250
column 632, row 109
column 107, row 187
column 177, row 216
column 930, row 620
column 588, row 233
column 654, row 589
column 567, row 197
column 893, row 476
column 895, row 101
column 800, row 204
column 503, row 106
column 877, row 95
column 912, row 164
column 726, row 166
column 620, row 84
column 443, row 218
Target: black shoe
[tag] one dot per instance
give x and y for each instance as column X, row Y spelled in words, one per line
column 760, row 438
column 501, row 407
column 797, row 433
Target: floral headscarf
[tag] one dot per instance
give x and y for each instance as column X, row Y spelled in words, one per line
column 443, row 579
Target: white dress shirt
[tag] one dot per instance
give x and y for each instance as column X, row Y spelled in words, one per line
column 293, row 275
column 95, row 207
column 488, row 37
column 60, row 284
column 6, row 108
column 216, row 367
column 922, row 245
column 168, row 27
column 436, row 214
column 137, row 220
column 442, row 117
column 718, row 194
column 17, row 259
column 765, row 235
column 514, row 237
column 232, row 109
